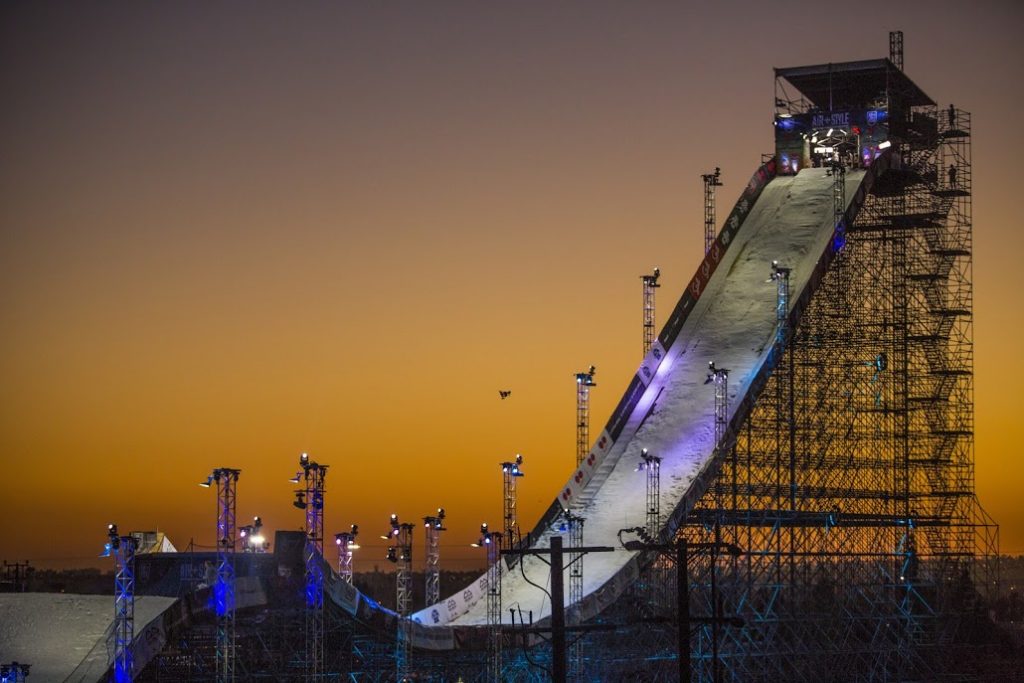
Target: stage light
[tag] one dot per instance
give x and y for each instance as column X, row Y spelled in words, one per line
column 296, row 478
column 300, row 500
column 206, row 484
column 885, row 145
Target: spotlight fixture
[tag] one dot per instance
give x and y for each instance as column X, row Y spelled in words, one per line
column 714, row 373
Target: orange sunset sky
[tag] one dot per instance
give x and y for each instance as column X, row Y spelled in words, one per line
column 231, row 233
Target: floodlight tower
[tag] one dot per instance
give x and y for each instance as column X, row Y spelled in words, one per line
column 401, row 555
column 13, row 672
column 226, row 480
column 650, row 284
column 573, row 525
column 434, row 525
column 720, row 376
column 123, row 550
column 838, row 173
column 491, row 540
column 510, row 472
column 310, row 498
column 651, row 464
column 346, row 542
column 584, row 381
column 896, row 48
column 252, row 537
column 780, row 275
column 711, row 181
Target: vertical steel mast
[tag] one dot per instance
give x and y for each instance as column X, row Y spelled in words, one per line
column 510, row 472
column 310, row 499
column 573, row 525
column 650, row 284
column 433, row 525
column 123, row 550
column 401, row 555
column 346, row 542
column 711, row 181
column 491, row 540
column 584, row 381
column 720, row 376
column 226, row 481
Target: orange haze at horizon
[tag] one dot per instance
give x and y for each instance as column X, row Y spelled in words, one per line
column 230, row 237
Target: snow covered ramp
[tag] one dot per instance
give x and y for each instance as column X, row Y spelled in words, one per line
column 726, row 315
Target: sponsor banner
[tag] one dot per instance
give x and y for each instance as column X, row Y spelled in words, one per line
column 432, row 638
column 587, row 468
column 148, row 644
column 344, row 595
column 649, row 367
column 457, row 604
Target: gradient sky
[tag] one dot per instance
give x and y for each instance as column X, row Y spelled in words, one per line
column 230, row 233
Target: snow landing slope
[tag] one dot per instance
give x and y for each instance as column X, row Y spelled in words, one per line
column 726, row 315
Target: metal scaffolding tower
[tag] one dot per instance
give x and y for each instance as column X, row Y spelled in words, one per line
column 780, row 275
column 650, row 284
column 510, row 472
column 573, row 526
column 896, row 48
column 584, row 381
column 434, row 525
column 346, row 542
column 711, row 181
column 850, row 481
column 123, row 549
column 720, row 378
column 226, row 481
column 491, row 541
column 401, row 554
column 310, row 499
column 651, row 465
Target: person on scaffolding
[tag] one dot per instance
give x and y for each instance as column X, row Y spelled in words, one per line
column 952, row 175
column 952, row 117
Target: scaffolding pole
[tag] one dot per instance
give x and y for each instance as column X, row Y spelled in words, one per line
column 310, row 499
column 491, row 541
column 650, row 283
column 510, row 473
column 573, row 526
column 401, row 554
column 226, row 481
column 720, row 378
column 123, row 549
column 433, row 525
column 584, row 381
column 711, row 181
column 346, row 542
column 896, row 48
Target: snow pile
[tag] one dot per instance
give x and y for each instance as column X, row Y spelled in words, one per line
column 55, row 632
